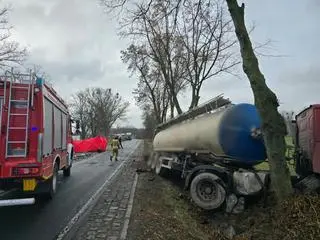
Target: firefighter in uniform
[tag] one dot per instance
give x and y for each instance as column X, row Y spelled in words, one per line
column 115, row 148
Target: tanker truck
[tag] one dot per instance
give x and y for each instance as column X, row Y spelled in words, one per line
column 214, row 148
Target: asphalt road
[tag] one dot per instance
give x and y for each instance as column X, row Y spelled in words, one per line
column 44, row 220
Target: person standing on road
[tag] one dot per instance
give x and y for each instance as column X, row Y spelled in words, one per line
column 115, row 148
column 120, row 142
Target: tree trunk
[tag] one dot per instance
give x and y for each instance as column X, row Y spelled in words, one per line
column 83, row 132
column 193, row 92
column 197, row 97
column 171, row 108
column 176, row 104
column 273, row 126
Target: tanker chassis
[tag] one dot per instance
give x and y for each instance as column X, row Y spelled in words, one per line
column 215, row 152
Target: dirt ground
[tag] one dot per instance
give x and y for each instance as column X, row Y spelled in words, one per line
column 163, row 211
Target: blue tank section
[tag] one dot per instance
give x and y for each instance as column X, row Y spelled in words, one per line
column 235, row 134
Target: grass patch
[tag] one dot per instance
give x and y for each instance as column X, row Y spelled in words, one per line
column 294, row 219
column 289, row 142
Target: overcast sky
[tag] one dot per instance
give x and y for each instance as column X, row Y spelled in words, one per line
column 76, row 43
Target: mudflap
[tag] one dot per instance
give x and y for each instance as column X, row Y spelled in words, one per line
column 42, row 187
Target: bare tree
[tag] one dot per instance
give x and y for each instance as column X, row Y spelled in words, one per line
column 97, row 109
column 190, row 44
column 80, row 110
column 151, row 89
column 273, row 126
column 208, row 37
column 149, row 122
column 40, row 72
column 10, row 51
column 164, row 45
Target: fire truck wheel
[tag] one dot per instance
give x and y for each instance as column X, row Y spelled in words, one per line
column 67, row 172
column 52, row 188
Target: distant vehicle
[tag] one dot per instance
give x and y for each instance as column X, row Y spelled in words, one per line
column 129, row 136
column 125, row 136
column 76, row 137
column 35, row 135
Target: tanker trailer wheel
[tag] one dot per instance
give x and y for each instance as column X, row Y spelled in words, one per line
column 207, row 192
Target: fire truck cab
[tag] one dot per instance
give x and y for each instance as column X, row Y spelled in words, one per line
column 35, row 136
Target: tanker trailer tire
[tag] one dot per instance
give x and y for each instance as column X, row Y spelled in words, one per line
column 206, row 192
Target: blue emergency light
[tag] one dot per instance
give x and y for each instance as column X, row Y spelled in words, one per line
column 39, row 81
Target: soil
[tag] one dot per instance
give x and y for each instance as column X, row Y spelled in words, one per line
column 162, row 210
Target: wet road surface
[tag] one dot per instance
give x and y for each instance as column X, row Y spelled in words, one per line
column 44, row 220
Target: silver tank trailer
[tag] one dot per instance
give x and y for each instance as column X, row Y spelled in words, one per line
column 232, row 132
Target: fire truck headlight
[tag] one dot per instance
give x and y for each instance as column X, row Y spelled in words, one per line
column 36, row 90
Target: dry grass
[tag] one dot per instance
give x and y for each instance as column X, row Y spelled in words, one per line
column 161, row 213
column 295, row 219
column 290, row 146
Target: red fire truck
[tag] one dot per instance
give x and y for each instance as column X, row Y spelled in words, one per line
column 35, row 136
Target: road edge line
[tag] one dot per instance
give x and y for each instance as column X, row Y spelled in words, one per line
column 96, row 195
column 129, row 209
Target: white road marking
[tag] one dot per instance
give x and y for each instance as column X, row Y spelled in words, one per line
column 129, row 210
column 97, row 194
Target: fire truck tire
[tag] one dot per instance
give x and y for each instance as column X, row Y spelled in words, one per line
column 52, row 182
column 67, row 172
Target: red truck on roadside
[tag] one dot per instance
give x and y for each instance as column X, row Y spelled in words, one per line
column 35, row 136
column 307, row 140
